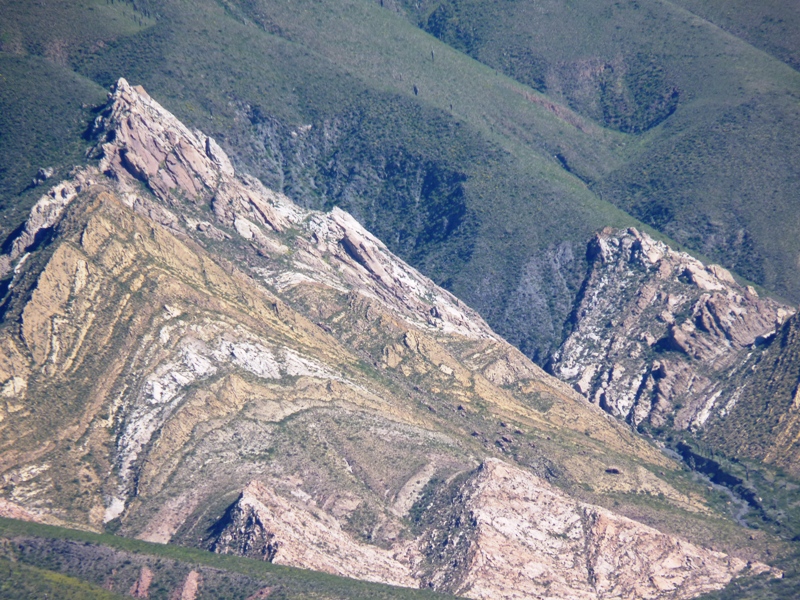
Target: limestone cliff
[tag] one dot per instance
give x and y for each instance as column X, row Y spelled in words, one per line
column 189, row 357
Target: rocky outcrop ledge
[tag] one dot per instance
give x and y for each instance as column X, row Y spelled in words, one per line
column 655, row 332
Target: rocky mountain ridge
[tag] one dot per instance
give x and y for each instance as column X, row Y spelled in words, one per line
column 656, row 335
column 189, row 357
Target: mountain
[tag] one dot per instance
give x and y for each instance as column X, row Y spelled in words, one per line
column 494, row 173
column 687, row 356
column 704, row 91
column 459, row 179
column 188, row 357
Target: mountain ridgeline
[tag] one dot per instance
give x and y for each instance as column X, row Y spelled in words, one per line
column 489, row 170
column 189, row 357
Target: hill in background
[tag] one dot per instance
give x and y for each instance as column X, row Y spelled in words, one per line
column 712, row 158
column 488, row 176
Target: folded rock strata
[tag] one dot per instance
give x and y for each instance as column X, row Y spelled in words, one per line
column 189, row 357
column 655, row 334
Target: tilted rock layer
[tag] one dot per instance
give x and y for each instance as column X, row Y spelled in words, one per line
column 188, row 357
column 655, row 334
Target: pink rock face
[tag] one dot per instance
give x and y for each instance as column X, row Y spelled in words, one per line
column 153, row 146
column 533, row 541
column 297, row 534
column 526, row 539
column 141, row 589
column 9, row 510
column 188, row 590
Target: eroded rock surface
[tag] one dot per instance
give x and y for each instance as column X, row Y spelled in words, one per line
column 267, row 526
column 655, row 333
column 513, row 536
column 543, row 544
column 189, row 352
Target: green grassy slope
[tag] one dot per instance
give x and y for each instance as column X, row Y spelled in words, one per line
column 44, row 111
column 759, row 588
column 461, row 178
column 462, row 167
column 68, row 564
column 45, row 107
column 771, row 25
column 20, row 581
column 712, row 161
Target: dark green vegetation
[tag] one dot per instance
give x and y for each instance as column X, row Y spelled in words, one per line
column 763, row 424
column 770, row 25
column 44, row 112
column 713, row 162
column 465, row 169
column 759, row 588
column 65, row 563
column 45, row 107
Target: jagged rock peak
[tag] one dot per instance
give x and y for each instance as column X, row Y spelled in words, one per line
column 145, row 139
column 654, row 330
column 188, row 169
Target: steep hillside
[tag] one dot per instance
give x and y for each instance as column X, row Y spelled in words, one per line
column 711, row 152
column 487, row 176
column 770, row 25
column 475, row 178
column 44, row 112
column 762, row 404
column 190, row 357
column 460, row 178
column 45, row 107
column 658, row 339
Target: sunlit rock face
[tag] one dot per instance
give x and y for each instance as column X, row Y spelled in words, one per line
column 187, row 356
column 655, row 334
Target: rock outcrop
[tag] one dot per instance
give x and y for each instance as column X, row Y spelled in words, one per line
column 542, row 544
column 655, row 334
column 44, row 214
column 185, row 341
column 294, row 532
column 504, row 534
